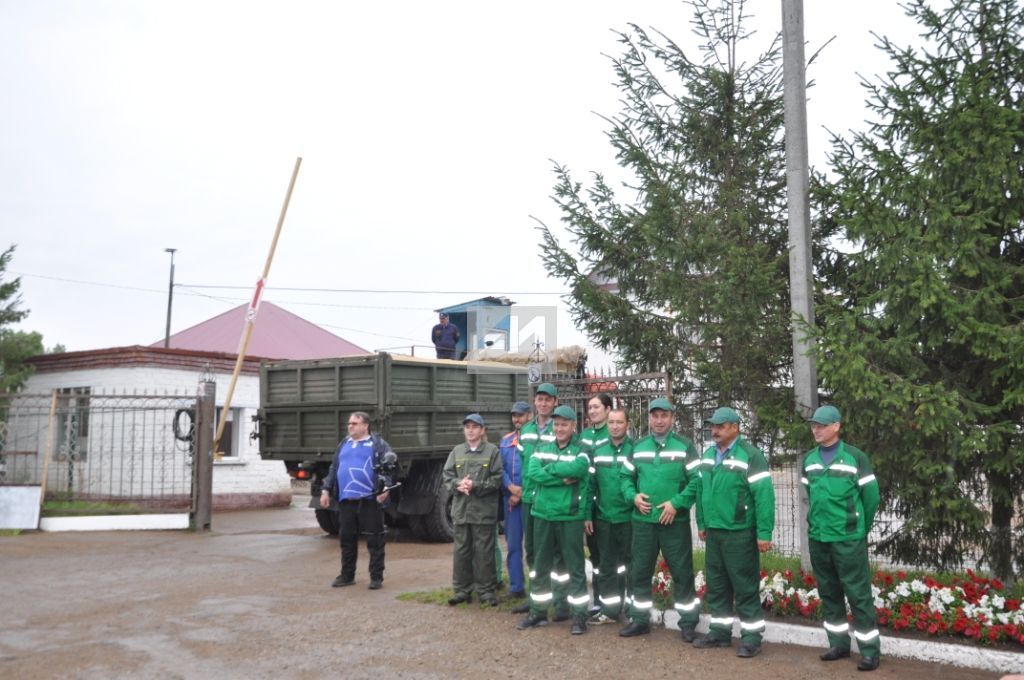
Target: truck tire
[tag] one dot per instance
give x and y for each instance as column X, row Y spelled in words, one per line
column 328, row 520
column 436, row 526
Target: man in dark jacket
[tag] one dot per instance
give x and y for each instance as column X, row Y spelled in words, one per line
column 472, row 474
column 358, row 483
column 445, row 337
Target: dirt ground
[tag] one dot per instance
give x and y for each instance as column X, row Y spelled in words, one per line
column 252, row 598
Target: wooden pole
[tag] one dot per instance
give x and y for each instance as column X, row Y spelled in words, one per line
column 250, row 316
column 50, row 437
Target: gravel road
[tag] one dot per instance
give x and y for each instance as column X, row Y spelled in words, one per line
column 252, row 599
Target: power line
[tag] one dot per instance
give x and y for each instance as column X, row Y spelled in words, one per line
column 378, row 290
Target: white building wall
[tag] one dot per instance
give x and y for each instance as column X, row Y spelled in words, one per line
column 244, row 474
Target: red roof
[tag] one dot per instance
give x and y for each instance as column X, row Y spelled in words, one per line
column 278, row 334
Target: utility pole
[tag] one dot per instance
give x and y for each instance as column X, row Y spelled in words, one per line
column 170, row 299
column 805, row 377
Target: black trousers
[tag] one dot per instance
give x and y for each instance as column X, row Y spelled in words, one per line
column 364, row 518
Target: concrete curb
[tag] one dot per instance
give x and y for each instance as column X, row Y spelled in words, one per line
column 114, row 522
column 950, row 654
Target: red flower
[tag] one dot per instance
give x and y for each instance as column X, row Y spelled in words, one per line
column 1012, row 605
column 901, row 575
column 997, row 584
column 809, row 580
column 960, row 625
column 888, row 579
column 884, row 621
column 764, row 574
column 993, row 634
column 933, row 629
column 901, row 623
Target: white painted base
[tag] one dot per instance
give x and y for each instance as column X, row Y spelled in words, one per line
column 965, row 656
column 115, row 522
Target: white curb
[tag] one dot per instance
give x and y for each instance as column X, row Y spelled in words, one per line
column 965, row 656
column 114, row 522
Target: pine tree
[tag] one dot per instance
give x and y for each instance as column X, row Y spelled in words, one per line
column 15, row 346
column 699, row 255
column 921, row 324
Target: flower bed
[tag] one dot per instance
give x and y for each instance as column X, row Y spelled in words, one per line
column 970, row 606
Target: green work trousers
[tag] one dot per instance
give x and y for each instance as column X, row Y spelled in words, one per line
column 473, row 565
column 842, row 571
column 498, row 574
column 614, row 550
column 675, row 542
column 734, row 575
column 528, row 551
column 559, row 557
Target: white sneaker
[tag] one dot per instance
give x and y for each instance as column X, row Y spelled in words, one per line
column 599, row 618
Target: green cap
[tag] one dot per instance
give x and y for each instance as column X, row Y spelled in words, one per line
column 723, row 414
column 826, row 415
column 564, row 411
column 661, row 404
column 548, row 389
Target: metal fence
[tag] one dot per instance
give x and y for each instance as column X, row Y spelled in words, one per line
column 635, row 392
column 89, row 446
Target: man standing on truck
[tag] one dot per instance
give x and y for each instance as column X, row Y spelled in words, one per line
column 445, row 337
column 536, row 432
column 472, row 474
column 512, row 496
column 559, row 470
column 358, row 482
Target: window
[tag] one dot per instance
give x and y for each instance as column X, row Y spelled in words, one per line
column 229, row 445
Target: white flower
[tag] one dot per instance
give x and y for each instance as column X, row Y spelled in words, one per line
column 879, row 603
column 918, row 586
column 998, row 601
column 875, row 592
column 902, row 589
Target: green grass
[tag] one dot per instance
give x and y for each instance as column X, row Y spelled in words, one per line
column 65, row 508
column 9, row 532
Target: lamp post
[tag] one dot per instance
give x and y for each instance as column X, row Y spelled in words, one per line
column 170, row 299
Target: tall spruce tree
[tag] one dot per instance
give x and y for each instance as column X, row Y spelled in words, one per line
column 698, row 254
column 921, row 324
column 15, row 346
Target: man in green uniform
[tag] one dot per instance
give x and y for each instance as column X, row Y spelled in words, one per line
column 609, row 448
column 472, row 474
column 534, row 433
column 843, row 495
column 557, row 472
column 735, row 517
column 598, row 408
column 660, row 480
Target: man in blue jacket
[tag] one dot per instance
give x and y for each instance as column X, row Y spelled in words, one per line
column 358, row 482
column 511, row 496
column 445, row 337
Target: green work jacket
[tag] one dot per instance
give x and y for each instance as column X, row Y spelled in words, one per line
column 606, row 461
column 550, row 466
column 531, row 437
column 738, row 492
column 843, row 495
column 484, row 467
column 665, row 472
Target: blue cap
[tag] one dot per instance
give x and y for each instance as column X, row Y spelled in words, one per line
column 723, row 415
column 474, row 418
column 520, row 407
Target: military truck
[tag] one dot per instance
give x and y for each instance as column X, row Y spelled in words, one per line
column 416, row 404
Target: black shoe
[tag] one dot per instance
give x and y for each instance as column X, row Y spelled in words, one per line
column 834, row 653
column 532, row 621
column 561, row 614
column 707, row 642
column 521, row 608
column 688, row 634
column 634, row 629
column 516, row 595
column 488, row 602
column 746, row 651
column 868, row 663
column 579, row 625
column 376, row 584
column 342, row 581
column 459, row 598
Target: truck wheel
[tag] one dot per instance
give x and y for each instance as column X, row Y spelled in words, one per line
column 437, row 525
column 328, row 520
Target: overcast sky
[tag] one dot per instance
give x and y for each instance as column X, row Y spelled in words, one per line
column 426, row 131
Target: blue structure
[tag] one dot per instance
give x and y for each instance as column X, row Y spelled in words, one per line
column 482, row 323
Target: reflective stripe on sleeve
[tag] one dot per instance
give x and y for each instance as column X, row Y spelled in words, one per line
column 839, row 467
column 758, row 477
column 865, row 480
column 732, row 462
column 628, row 465
column 805, row 480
